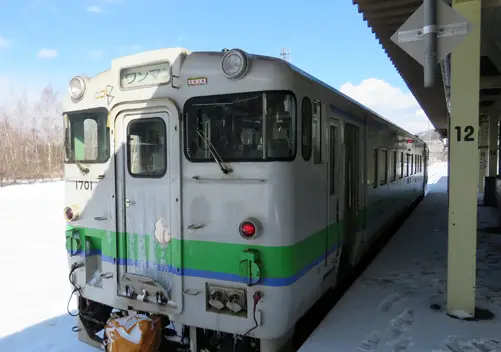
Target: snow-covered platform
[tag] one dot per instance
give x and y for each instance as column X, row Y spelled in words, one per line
column 398, row 303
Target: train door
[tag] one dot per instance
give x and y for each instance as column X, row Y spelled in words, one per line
column 148, row 203
column 333, row 233
column 351, row 202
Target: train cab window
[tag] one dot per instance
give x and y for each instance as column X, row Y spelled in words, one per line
column 146, row 147
column 383, row 167
column 306, row 118
column 401, row 174
column 393, row 165
column 87, row 137
column 257, row 126
column 413, row 164
column 317, row 132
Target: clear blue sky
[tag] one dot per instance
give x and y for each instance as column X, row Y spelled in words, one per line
column 327, row 38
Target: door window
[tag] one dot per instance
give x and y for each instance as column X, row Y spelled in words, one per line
column 307, row 117
column 146, row 148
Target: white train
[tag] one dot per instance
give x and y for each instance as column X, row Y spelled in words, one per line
column 224, row 191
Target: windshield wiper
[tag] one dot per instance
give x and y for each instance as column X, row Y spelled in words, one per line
column 213, row 151
column 83, row 170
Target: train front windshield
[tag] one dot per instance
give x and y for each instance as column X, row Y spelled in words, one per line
column 253, row 126
column 87, row 136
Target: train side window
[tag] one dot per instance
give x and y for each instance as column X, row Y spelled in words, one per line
column 390, row 166
column 317, row 132
column 374, row 167
column 306, row 117
column 401, row 175
column 413, row 164
column 146, row 148
column 383, row 167
column 393, row 165
column 407, row 164
column 332, row 159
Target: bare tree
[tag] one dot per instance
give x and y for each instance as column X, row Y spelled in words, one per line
column 31, row 138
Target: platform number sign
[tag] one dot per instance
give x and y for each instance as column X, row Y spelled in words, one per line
column 465, row 134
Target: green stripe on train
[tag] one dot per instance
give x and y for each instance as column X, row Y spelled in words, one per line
column 278, row 261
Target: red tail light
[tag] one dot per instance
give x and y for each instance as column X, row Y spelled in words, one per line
column 68, row 213
column 71, row 213
column 248, row 229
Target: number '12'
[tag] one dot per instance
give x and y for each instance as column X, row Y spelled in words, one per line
column 468, row 133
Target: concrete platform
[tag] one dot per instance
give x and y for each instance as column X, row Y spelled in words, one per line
column 398, row 303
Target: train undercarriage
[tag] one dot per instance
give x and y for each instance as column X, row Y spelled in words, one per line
column 92, row 318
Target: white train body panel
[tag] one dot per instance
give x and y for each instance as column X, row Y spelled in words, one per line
column 178, row 222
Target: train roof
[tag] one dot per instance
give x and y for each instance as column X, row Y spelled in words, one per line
column 172, row 53
column 349, row 99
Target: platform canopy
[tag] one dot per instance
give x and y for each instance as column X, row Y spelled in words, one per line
column 385, row 17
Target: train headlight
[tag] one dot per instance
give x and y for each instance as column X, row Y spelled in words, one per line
column 71, row 213
column 249, row 228
column 234, row 63
column 77, row 87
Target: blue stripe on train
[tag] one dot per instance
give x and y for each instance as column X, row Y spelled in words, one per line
column 267, row 281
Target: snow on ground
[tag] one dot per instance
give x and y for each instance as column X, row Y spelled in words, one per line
column 34, row 271
column 389, row 308
column 35, row 288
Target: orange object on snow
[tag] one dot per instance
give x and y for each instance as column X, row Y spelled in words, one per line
column 134, row 333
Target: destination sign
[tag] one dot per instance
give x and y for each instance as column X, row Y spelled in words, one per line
column 155, row 74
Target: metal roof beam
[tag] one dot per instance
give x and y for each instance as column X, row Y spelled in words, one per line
column 491, row 50
column 492, row 110
column 491, row 3
column 484, row 98
column 490, row 82
column 384, row 18
column 406, row 11
column 380, row 5
column 393, row 20
column 485, row 3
